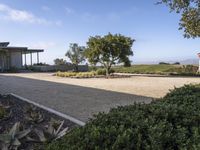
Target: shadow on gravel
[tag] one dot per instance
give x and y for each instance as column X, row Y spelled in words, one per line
column 77, row 101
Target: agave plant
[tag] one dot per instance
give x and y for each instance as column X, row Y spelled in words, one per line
column 11, row 140
column 2, row 112
column 33, row 115
column 5, row 112
column 53, row 131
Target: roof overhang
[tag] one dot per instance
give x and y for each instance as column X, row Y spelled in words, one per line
column 35, row 50
column 24, row 50
column 4, row 44
column 14, row 48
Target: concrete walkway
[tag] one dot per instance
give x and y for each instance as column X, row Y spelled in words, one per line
column 77, row 101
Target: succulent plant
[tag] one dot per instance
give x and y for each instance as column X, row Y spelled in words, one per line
column 11, row 140
column 34, row 115
column 53, row 131
column 5, row 112
column 2, row 112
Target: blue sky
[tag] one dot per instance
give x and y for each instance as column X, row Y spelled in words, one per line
column 52, row 25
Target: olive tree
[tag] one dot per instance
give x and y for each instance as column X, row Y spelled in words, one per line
column 190, row 15
column 109, row 50
column 76, row 54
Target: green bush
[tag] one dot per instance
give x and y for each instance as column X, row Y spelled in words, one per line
column 170, row 123
column 102, row 71
column 76, row 74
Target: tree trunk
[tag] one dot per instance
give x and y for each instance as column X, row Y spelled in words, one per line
column 107, row 72
column 76, row 67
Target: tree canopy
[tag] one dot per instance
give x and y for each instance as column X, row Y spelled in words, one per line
column 190, row 15
column 58, row 61
column 109, row 50
column 76, row 54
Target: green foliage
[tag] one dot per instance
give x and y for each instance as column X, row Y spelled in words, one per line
column 33, row 115
column 185, row 70
column 58, row 61
column 127, row 63
column 93, row 68
column 77, row 74
column 11, row 140
column 44, row 64
column 146, row 69
column 53, row 132
column 190, row 20
column 101, row 71
column 90, row 74
column 109, row 50
column 164, row 69
column 164, row 63
column 166, row 124
column 76, row 54
column 176, row 63
column 2, row 112
column 86, row 74
column 190, row 69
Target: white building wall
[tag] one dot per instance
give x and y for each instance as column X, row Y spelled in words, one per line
column 16, row 59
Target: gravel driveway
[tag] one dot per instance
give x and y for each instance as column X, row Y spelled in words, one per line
column 74, row 100
column 138, row 85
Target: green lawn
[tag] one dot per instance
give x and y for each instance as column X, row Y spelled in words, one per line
column 149, row 69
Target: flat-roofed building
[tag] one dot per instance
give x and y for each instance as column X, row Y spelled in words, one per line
column 11, row 56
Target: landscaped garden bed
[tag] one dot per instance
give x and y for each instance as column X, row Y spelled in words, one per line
column 100, row 73
column 169, row 123
column 25, row 126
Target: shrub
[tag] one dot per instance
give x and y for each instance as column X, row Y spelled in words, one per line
column 93, row 68
column 190, row 69
column 172, row 122
column 76, row 74
column 177, row 63
column 103, row 71
column 164, row 63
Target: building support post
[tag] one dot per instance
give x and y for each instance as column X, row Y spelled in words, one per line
column 22, row 57
column 31, row 59
column 25, row 60
column 38, row 61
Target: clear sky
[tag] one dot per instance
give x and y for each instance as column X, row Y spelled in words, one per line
column 53, row 24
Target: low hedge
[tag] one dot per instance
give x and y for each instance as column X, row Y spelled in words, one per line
column 76, row 74
column 90, row 74
column 170, row 123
